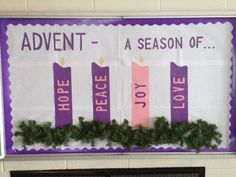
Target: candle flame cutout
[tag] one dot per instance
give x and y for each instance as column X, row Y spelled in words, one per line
column 101, row 60
column 141, row 59
column 62, row 61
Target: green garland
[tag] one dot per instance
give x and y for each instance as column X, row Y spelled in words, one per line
column 193, row 135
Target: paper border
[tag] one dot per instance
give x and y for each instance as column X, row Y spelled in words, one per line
column 115, row 22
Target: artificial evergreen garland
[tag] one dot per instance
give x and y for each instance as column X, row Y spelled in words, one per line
column 193, row 135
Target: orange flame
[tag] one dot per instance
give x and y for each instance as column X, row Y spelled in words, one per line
column 101, row 60
column 62, row 61
column 141, row 59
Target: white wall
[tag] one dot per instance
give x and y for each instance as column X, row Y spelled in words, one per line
column 216, row 165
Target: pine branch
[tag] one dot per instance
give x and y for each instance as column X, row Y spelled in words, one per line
column 193, row 135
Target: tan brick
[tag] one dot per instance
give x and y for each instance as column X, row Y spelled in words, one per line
column 127, row 5
column 212, row 173
column 5, row 174
column 227, row 173
column 97, row 163
column 145, row 163
column 171, row 5
column 214, row 163
column 231, row 4
column 60, row 5
column 1, row 166
column 13, row 5
column 34, row 165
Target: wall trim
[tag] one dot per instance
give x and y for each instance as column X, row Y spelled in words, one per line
column 118, row 14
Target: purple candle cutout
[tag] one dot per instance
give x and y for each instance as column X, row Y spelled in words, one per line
column 101, row 92
column 179, row 93
column 62, row 94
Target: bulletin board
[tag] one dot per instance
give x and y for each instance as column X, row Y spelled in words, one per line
column 113, row 85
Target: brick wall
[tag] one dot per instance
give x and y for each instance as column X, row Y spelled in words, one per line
column 117, row 5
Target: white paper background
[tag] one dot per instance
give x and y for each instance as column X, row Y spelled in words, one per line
column 209, row 72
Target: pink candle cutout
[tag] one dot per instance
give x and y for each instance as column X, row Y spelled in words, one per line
column 62, row 94
column 140, row 94
column 101, row 92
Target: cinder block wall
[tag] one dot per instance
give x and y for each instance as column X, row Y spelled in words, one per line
column 117, row 5
column 216, row 165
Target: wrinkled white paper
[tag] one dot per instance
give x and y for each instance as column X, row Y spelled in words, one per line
column 31, row 73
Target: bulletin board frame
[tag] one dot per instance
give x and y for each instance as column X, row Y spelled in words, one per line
column 109, row 21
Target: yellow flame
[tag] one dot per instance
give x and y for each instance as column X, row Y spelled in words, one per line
column 101, row 60
column 62, row 61
column 141, row 59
